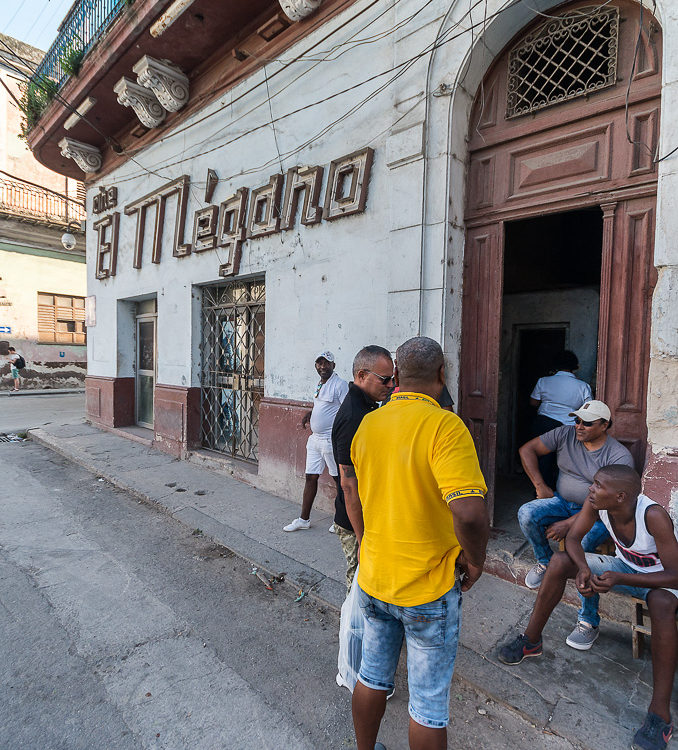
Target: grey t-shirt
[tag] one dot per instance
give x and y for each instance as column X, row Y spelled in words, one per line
column 577, row 465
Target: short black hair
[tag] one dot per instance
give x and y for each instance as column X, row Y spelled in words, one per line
column 419, row 359
column 623, row 477
column 367, row 356
column 566, row 360
column 11, row 349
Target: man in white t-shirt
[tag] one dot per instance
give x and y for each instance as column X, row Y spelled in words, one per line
column 555, row 397
column 329, row 394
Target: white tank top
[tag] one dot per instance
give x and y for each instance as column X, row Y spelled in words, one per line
column 641, row 554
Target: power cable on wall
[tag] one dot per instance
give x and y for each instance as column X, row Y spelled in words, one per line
column 401, row 68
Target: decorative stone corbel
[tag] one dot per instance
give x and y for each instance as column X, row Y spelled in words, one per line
column 142, row 100
column 297, row 10
column 87, row 157
column 166, row 81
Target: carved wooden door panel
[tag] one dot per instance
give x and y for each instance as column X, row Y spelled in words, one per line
column 628, row 277
column 481, row 332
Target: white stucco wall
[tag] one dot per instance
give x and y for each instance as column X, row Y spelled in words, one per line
column 395, row 270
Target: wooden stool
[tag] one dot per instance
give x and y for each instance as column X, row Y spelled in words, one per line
column 638, row 627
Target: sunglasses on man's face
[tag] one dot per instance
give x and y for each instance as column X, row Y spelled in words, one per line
column 385, row 379
column 585, row 424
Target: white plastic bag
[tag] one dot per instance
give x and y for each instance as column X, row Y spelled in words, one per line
column 350, row 638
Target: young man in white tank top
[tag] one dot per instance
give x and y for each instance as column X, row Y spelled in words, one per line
column 645, row 566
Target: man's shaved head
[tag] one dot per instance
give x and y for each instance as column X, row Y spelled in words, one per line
column 419, row 360
column 622, row 478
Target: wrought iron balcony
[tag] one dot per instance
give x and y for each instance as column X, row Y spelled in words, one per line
column 84, row 25
column 24, row 200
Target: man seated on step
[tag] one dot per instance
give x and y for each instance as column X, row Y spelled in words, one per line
column 645, row 565
column 581, row 449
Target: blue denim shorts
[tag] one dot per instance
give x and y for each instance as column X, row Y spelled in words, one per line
column 432, row 633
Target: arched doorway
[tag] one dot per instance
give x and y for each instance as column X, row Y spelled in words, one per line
column 560, row 215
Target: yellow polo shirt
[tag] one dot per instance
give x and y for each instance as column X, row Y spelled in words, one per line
column 412, row 458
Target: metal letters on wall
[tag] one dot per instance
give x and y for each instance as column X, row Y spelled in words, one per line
column 247, row 214
column 107, row 245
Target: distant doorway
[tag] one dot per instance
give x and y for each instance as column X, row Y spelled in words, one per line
column 551, row 302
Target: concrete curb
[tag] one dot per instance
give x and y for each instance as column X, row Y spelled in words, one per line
column 42, row 392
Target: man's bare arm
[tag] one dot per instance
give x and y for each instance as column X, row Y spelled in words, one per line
column 354, row 508
column 529, row 457
column 472, row 528
column 660, row 526
column 583, row 523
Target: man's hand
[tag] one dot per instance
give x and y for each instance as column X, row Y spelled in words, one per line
column 543, row 491
column 306, row 419
column 583, row 582
column 470, row 573
column 604, row 582
column 558, row 530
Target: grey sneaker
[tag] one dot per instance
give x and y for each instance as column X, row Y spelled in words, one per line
column 535, row 576
column 582, row 636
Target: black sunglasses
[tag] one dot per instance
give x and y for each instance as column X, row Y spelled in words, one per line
column 385, row 379
column 586, row 424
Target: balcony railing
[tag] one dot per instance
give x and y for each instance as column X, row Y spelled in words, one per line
column 85, row 23
column 24, row 200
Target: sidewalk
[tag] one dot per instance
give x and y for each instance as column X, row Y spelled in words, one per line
column 40, row 391
column 595, row 699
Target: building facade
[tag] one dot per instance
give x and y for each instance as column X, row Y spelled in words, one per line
column 43, row 285
column 496, row 176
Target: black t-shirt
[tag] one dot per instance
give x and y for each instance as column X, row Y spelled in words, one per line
column 351, row 412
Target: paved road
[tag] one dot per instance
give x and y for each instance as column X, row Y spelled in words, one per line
column 24, row 412
column 121, row 629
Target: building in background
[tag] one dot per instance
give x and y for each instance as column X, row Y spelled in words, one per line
column 42, row 284
column 269, row 179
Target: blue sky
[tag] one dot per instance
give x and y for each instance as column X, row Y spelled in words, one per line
column 33, row 21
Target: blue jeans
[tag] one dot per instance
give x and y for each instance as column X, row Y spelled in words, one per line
column 598, row 564
column 431, row 631
column 536, row 515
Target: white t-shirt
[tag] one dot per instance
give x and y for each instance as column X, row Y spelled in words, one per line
column 560, row 394
column 326, row 405
column 12, row 358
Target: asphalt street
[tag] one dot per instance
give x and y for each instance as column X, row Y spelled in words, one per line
column 23, row 412
column 122, row 628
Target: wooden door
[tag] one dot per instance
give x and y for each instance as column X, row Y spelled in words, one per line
column 627, row 281
column 481, row 333
column 561, row 156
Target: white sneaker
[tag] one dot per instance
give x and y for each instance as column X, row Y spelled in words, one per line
column 332, row 529
column 297, row 525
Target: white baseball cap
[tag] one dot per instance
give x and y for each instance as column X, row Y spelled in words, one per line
column 327, row 354
column 593, row 410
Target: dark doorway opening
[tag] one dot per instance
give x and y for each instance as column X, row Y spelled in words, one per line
column 550, row 303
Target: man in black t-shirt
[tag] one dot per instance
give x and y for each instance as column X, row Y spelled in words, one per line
column 372, row 382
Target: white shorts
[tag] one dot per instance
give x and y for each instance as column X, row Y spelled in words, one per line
column 319, row 455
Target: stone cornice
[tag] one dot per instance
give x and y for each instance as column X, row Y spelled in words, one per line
column 165, row 80
column 142, row 100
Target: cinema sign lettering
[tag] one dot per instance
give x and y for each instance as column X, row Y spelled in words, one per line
column 247, row 214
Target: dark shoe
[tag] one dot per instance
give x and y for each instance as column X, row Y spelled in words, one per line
column 518, row 649
column 653, row 735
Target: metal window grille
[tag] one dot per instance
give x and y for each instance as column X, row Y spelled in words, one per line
column 232, row 379
column 563, row 59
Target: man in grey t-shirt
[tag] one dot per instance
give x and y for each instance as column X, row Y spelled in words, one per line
column 581, row 449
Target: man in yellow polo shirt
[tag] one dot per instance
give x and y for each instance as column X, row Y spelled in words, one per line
column 425, row 533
